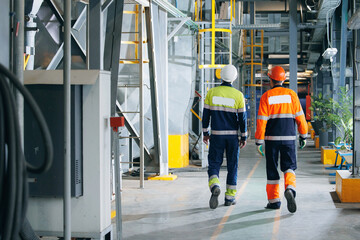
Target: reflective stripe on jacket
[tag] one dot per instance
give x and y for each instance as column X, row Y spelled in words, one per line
column 225, row 106
column 279, row 110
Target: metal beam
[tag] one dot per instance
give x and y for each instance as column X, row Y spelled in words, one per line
column 106, row 4
column 55, row 61
column 80, row 21
column 141, row 93
column 293, row 44
column 95, row 58
column 115, row 53
column 153, row 82
column 356, row 100
column 177, row 28
column 132, row 130
column 175, row 12
column 269, row 26
column 343, row 41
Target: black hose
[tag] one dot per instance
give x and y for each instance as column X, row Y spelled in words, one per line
column 10, row 181
column 39, row 117
column 13, row 167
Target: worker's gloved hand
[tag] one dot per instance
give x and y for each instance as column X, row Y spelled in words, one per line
column 302, row 142
column 260, row 150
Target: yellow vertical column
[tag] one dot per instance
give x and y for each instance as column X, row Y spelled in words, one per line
column 213, row 33
column 178, row 151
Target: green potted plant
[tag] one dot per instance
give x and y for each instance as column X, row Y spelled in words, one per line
column 324, row 118
column 344, row 119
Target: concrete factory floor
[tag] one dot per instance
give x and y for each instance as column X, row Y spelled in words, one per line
column 180, row 210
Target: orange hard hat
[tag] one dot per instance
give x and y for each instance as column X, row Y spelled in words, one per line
column 277, row 73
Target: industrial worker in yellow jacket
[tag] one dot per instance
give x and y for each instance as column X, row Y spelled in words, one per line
column 279, row 112
column 225, row 113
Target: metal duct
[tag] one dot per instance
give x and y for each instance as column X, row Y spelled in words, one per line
column 326, row 11
column 327, row 7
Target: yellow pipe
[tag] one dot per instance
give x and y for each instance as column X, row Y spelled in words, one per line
column 213, row 32
column 254, row 63
column 200, row 10
column 262, row 52
column 196, row 114
column 212, row 66
column 136, row 30
column 252, row 85
column 262, row 45
column 196, row 15
column 132, row 12
column 198, row 45
column 132, row 61
column 245, row 45
column 252, row 57
column 231, row 6
column 129, row 42
column 234, row 8
column 216, row 30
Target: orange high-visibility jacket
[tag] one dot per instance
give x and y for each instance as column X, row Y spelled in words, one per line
column 279, row 110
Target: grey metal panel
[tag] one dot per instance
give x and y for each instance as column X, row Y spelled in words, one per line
column 50, row 184
column 5, row 34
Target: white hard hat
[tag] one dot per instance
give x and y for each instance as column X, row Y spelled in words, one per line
column 229, row 73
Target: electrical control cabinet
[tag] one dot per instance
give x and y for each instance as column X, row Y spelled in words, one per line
column 50, row 99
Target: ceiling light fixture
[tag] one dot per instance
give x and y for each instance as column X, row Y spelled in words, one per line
column 329, row 53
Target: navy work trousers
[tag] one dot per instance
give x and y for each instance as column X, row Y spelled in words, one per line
column 219, row 143
column 287, row 157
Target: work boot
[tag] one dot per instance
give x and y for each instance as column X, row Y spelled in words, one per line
column 229, row 203
column 275, row 205
column 290, row 197
column 215, row 192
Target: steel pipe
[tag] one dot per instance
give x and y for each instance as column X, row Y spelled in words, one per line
column 67, row 121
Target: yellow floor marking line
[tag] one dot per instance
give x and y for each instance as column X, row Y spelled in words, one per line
column 231, row 208
column 275, row 234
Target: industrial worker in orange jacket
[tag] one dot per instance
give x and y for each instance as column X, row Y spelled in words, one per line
column 279, row 111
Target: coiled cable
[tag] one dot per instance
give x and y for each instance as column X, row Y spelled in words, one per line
column 13, row 167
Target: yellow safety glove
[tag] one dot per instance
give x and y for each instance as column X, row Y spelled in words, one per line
column 260, row 150
column 302, row 142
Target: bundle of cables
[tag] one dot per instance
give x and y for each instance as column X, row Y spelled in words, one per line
column 13, row 166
